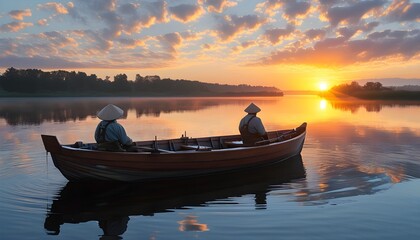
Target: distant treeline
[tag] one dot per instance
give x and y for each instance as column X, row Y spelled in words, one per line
column 35, row 82
column 373, row 91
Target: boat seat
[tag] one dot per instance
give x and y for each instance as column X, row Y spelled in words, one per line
column 195, row 147
column 234, row 144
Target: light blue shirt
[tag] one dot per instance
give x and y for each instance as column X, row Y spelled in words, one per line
column 114, row 132
column 254, row 126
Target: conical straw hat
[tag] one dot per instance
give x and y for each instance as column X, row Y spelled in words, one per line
column 252, row 108
column 110, row 112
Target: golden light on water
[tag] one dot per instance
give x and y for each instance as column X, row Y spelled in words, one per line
column 323, row 104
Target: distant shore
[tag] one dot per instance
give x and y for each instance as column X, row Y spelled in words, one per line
column 4, row 94
column 38, row 83
column 391, row 95
column 370, row 91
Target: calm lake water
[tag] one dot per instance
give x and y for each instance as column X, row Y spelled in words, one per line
column 357, row 177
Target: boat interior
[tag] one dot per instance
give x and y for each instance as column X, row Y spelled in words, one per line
column 185, row 143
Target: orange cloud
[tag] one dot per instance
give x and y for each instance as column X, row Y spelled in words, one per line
column 403, row 11
column 340, row 52
column 14, row 26
column 42, row 22
column 186, row 13
column 243, row 46
column 217, row 6
column 350, row 14
column 20, row 14
column 56, row 7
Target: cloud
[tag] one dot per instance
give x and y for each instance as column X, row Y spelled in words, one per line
column 217, row 6
column 101, row 5
column 209, row 47
column 232, row 25
column 98, row 43
column 340, row 52
column 42, row 22
column 171, row 41
column 15, row 26
column 20, row 14
column 351, row 14
column 129, row 9
column 276, row 35
column 135, row 17
column 189, row 35
column 117, row 20
column 119, row 32
column 270, row 6
column 156, row 12
column 370, row 26
column 186, row 12
column 349, row 32
column 39, row 62
column 402, row 11
column 292, row 9
column 47, row 44
column 315, row 34
column 58, row 40
column 58, row 8
column 243, row 46
column 131, row 43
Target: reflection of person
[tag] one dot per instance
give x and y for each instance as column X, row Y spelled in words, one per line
column 109, row 134
column 113, row 228
column 251, row 127
column 52, row 224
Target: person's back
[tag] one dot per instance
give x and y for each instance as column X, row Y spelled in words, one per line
column 109, row 134
column 251, row 127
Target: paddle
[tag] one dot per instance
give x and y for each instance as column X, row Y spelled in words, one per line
column 276, row 139
column 154, row 150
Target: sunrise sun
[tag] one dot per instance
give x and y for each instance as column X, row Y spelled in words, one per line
column 323, row 86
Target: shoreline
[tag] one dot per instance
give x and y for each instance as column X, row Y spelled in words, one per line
column 373, row 96
column 55, row 95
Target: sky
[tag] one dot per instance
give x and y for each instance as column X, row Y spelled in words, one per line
column 289, row 44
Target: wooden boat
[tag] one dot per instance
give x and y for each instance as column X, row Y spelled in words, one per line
column 80, row 202
column 173, row 158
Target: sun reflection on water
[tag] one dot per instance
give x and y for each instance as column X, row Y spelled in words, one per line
column 323, row 104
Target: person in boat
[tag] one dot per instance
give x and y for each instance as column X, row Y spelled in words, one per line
column 109, row 134
column 251, row 127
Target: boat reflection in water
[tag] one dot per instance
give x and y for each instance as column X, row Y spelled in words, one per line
column 111, row 204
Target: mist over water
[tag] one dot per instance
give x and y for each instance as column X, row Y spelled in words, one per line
column 357, row 177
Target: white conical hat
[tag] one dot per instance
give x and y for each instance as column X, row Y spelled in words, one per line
column 252, row 108
column 110, row 112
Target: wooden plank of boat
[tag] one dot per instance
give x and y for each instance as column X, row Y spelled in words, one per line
column 83, row 202
column 170, row 158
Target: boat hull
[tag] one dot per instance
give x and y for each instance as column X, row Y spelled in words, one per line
column 85, row 164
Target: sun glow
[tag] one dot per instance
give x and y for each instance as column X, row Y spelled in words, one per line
column 323, row 86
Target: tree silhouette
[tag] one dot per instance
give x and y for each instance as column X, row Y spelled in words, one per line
column 38, row 82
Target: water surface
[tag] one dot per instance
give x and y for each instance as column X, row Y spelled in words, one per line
column 357, row 176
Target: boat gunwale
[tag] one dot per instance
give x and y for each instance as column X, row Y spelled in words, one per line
column 192, row 151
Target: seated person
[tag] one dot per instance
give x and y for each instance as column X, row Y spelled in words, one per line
column 109, row 134
column 251, row 127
